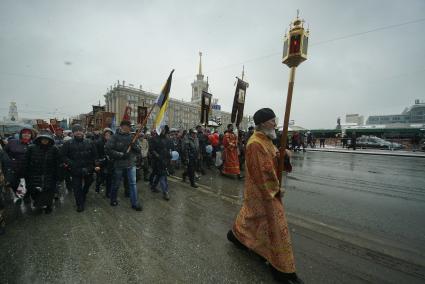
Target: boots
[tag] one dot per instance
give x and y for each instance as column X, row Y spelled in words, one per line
column 194, row 185
column 289, row 278
column 231, row 237
column 166, row 196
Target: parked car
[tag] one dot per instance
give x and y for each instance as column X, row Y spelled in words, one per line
column 377, row 143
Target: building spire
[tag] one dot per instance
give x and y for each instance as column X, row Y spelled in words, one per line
column 200, row 64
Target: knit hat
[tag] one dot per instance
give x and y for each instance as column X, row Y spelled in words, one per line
column 107, row 129
column 263, row 115
column 77, row 127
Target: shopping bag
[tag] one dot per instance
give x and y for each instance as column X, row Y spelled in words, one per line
column 218, row 159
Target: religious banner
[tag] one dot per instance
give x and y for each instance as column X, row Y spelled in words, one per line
column 89, row 122
column 239, row 102
column 97, row 109
column 205, row 106
column 142, row 112
column 127, row 113
column 41, row 124
column 53, row 125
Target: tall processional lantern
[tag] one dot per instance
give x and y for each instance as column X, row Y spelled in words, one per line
column 294, row 53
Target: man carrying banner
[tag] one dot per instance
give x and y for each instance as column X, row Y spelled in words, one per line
column 124, row 162
column 261, row 223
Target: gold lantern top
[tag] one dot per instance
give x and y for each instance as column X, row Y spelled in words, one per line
column 295, row 44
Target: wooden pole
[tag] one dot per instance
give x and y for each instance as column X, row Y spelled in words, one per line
column 284, row 136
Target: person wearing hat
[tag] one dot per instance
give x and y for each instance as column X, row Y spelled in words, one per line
column 79, row 157
column 261, row 224
column 230, row 153
column 16, row 149
column 124, row 163
column 42, row 170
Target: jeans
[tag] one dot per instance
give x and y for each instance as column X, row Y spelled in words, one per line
column 118, row 175
column 164, row 183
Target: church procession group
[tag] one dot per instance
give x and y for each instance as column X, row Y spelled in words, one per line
column 37, row 165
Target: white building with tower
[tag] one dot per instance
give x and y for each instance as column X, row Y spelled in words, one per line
column 180, row 114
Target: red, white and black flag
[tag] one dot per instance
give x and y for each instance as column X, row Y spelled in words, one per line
column 142, row 112
column 239, row 102
column 205, row 106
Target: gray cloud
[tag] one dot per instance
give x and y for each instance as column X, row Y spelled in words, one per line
column 141, row 41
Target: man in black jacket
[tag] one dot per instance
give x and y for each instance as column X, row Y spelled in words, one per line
column 79, row 156
column 124, row 162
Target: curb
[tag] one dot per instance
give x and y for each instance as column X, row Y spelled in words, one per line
column 408, row 155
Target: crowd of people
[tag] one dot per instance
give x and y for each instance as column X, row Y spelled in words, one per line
column 37, row 164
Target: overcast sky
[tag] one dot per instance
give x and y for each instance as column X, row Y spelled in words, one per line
column 365, row 57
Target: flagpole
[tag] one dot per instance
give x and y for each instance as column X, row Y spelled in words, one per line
column 165, row 90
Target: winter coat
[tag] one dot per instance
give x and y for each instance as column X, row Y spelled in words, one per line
column 100, row 148
column 190, row 151
column 116, row 149
column 79, row 156
column 160, row 149
column 16, row 152
column 42, row 167
column 5, row 170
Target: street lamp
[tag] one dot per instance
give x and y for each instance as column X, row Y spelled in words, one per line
column 294, row 53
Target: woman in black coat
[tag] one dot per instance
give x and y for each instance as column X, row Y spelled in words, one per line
column 41, row 171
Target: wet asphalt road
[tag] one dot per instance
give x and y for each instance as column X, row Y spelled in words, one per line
column 354, row 219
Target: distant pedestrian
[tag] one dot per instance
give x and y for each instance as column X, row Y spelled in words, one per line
column 416, row 139
column 322, row 141
column 353, row 140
